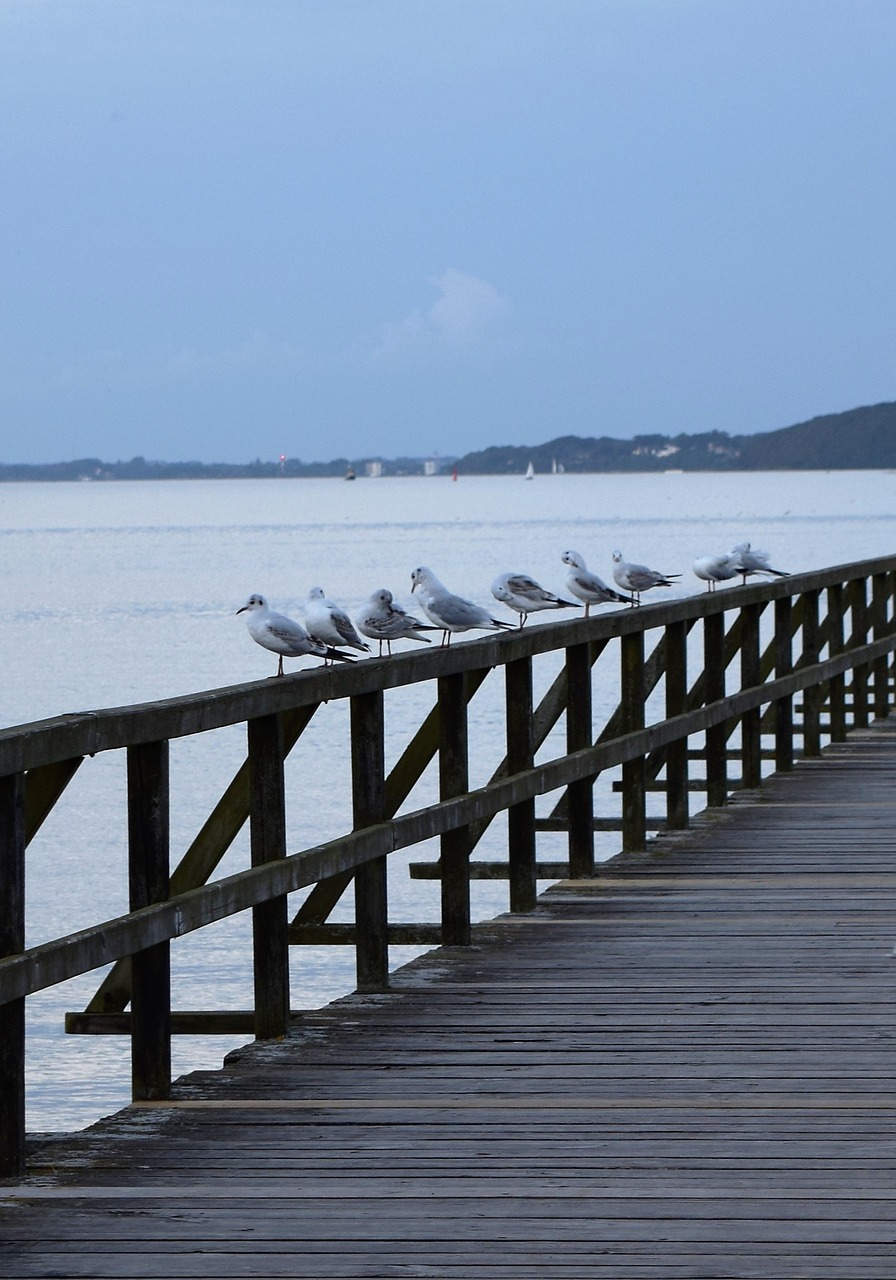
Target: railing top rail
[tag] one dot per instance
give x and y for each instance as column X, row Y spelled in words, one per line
column 55, row 961
column 86, row 733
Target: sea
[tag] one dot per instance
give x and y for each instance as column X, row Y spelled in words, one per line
column 127, row 592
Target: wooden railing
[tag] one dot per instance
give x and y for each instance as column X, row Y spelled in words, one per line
column 718, row 687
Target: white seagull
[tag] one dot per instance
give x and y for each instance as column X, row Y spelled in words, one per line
column 522, row 593
column 330, row 624
column 637, row 577
column 384, row 621
column 713, row 569
column 588, row 586
column 281, row 635
column 449, row 612
column 749, row 561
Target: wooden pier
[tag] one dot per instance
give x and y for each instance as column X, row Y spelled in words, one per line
column 683, row 1067
column 675, row 1063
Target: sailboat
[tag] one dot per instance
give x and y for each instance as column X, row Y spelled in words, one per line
column 530, row 471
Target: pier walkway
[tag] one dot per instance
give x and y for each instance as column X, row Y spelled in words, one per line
column 682, row 1067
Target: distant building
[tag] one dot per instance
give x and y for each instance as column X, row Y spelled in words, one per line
column 430, row 466
column 373, row 468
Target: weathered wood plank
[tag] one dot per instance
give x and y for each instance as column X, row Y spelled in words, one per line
column 12, row 940
column 679, row 1067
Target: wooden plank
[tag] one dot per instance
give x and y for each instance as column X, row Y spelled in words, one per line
column 267, row 839
column 520, row 757
column 579, row 819
column 368, row 804
column 679, row 1067
column 148, row 828
column 634, row 695
column 12, row 940
column 454, row 780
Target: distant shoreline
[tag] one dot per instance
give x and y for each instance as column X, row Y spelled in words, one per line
column 862, row 439
column 443, row 475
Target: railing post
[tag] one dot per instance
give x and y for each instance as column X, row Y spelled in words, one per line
column 12, row 941
column 148, row 809
column 634, row 772
column 677, row 807
column 750, row 677
column 267, row 836
column 579, row 729
column 812, row 695
column 520, row 756
column 454, row 780
column 837, row 688
column 858, row 604
column 369, row 807
column 714, row 684
column 879, row 598
column 783, row 667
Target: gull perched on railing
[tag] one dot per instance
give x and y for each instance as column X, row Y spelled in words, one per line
column 750, row 561
column 327, row 622
column 384, row 621
column 589, row 588
column 714, row 569
column 449, row 612
column 282, row 635
column 522, row 593
column 637, row 577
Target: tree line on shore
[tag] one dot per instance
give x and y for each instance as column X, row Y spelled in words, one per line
column 863, row 438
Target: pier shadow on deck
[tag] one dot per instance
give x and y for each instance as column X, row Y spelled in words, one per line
column 684, row 1067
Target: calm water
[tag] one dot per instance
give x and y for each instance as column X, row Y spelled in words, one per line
column 127, row 592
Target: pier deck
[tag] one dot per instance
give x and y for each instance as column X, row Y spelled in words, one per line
column 684, row 1067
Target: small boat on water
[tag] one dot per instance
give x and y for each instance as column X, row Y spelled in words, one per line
column 530, row 471
column 350, row 474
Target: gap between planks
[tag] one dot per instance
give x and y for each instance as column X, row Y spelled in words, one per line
column 511, row 1102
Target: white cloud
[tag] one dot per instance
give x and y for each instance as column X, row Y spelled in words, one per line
column 467, row 311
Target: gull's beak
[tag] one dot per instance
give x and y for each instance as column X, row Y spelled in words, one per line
column 414, row 585
column 243, row 610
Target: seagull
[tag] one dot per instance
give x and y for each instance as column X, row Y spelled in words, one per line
column 384, row 621
column 637, row 577
column 450, row 612
column 749, row 561
column 330, row 624
column 713, row 569
column 522, row 593
column 587, row 585
column 281, row 635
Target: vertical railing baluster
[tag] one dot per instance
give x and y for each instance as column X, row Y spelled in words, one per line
column 12, row 941
column 784, row 667
column 579, row 729
column 879, row 589
column 811, row 647
column 634, row 772
column 520, row 756
column 369, row 807
column 454, row 780
column 148, row 850
column 677, row 799
column 890, row 624
column 750, row 677
column 837, row 687
column 267, row 837
column 858, row 607
column 714, row 684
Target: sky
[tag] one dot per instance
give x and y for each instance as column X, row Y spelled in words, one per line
column 234, row 229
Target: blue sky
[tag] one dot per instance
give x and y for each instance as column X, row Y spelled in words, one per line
column 238, row 228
